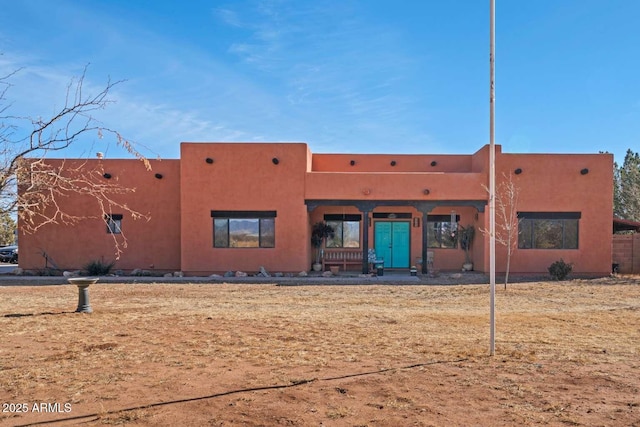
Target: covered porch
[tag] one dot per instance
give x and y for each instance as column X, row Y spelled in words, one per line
column 404, row 233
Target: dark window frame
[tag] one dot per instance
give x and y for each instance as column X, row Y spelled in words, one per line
column 432, row 220
column 114, row 223
column 530, row 222
column 351, row 218
column 265, row 221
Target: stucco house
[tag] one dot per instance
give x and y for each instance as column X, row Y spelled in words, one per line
column 239, row 206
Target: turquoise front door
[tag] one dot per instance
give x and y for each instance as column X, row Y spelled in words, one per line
column 391, row 240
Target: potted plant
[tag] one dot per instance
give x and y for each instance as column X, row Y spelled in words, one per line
column 465, row 237
column 319, row 233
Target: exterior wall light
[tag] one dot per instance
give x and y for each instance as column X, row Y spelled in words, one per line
column 275, row 160
column 366, row 191
column 352, row 162
column 393, row 162
column 434, row 163
column 426, row 192
column 584, row 171
column 107, row 176
column 517, row 171
column 158, row 175
column 209, row 160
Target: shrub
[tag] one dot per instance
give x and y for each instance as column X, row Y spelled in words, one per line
column 99, row 268
column 559, row 270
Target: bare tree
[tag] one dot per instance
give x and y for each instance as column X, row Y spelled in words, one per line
column 33, row 187
column 507, row 221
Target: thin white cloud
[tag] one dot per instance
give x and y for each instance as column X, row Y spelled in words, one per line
column 228, row 16
column 291, row 44
column 284, row 85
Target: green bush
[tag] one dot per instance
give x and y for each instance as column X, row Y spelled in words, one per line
column 559, row 270
column 99, row 268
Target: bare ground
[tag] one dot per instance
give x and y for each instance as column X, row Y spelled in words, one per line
column 567, row 354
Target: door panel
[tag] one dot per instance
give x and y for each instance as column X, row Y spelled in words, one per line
column 382, row 239
column 400, row 251
column 392, row 243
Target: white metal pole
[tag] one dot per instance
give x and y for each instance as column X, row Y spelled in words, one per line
column 492, row 178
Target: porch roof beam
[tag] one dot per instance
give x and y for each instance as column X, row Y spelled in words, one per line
column 369, row 205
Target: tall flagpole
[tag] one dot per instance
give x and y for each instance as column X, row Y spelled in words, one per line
column 492, row 176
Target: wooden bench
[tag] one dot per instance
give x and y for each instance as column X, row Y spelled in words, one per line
column 343, row 257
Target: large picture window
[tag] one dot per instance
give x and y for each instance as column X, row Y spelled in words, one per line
column 346, row 230
column 548, row 230
column 441, row 233
column 244, row 229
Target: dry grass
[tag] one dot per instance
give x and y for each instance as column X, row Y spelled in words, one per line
column 567, row 353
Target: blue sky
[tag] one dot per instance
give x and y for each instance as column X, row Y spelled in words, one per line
column 353, row 76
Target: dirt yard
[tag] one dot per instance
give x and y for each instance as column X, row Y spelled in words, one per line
column 567, row 354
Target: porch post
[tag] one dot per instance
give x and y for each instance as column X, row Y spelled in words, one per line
column 425, row 241
column 365, row 242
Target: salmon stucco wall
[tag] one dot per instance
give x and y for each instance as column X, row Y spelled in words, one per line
column 278, row 177
column 562, row 183
column 244, row 177
column 358, row 163
column 152, row 242
column 395, row 186
column 394, row 177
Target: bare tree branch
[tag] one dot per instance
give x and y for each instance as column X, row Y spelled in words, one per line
column 507, row 221
column 35, row 188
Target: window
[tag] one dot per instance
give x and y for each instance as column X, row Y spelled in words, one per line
column 440, row 232
column 548, row 230
column 114, row 223
column 244, row 229
column 346, row 229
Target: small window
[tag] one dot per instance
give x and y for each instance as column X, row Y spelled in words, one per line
column 441, row 233
column 346, row 230
column 114, row 223
column 244, row 229
column 548, row 230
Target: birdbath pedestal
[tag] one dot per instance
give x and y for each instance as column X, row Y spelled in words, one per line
column 83, row 292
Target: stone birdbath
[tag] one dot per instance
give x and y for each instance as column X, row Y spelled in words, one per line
column 83, row 292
